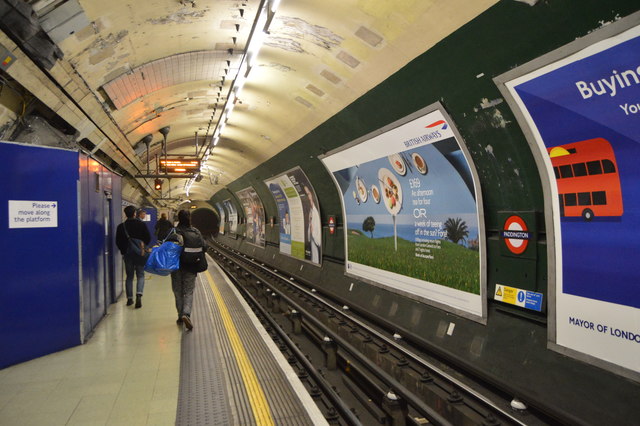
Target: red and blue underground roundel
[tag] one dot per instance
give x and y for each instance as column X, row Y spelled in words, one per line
column 516, row 235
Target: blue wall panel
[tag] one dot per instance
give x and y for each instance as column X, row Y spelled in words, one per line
column 39, row 295
column 112, row 184
column 152, row 219
column 117, row 216
column 97, row 212
column 84, row 207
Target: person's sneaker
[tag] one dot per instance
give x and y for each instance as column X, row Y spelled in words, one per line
column 187, row 322
column 129, row 301
column 138, row 301
column 179, row 321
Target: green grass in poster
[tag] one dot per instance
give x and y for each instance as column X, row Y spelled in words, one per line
column 453, row 265
column 297, row 249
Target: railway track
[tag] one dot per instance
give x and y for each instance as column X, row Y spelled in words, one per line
column 369, row 374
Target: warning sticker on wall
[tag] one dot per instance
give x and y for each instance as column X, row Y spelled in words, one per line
column 515, row 296
column 33, row 214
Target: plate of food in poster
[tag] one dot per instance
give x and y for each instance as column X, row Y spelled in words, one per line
column 375, row 193
column 397, row 162
column 362, row 190
column 391, row 191
column 420, row 164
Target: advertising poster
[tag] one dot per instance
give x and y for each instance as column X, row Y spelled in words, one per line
column 223, row 216
column 233, row 216
column 411, row 212
column 254, row 212
column 299, row 213
column 584, row 112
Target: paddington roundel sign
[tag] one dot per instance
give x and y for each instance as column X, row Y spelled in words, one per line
column 332, row 225
column 516, row 235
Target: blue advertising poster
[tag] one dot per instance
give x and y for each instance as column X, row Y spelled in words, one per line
column 299, row 213
column 584, row 111
column 254, row 212
column 412, row 214
column 233, row 216
column 223, row 217
column 283, row 215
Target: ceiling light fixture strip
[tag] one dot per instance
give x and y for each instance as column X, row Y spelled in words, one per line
column 258, row 34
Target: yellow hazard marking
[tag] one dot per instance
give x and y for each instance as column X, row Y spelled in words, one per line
column 259, row 404
column 499, row 291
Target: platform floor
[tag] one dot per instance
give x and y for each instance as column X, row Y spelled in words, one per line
column 129, row 372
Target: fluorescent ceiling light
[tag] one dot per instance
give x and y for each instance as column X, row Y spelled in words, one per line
column 254, row 46
column 239, row 84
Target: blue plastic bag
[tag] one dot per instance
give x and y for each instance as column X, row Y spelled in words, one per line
column 164, row 259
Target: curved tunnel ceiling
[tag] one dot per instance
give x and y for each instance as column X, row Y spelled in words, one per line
column 172, row 63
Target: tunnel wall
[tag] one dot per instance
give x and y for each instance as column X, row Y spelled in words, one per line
column 511, row 350
column 458, row 72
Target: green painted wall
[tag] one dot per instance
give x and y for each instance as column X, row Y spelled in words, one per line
column 505, row 36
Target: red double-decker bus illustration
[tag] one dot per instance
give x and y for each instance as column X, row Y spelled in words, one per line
column 588, row 179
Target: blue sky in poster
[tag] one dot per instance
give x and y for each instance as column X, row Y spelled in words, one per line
column 451, row 196
column 599, row 257
column 283, row 207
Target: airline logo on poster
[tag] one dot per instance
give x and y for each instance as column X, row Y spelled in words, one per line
column 438, row 123
column 438, row 133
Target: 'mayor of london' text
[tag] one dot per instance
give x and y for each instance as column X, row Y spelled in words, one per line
column 609, row 84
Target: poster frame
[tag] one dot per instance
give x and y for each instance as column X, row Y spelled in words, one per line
column 279, row 220
column 437, row 106
column 264, row 246
column 232, row 234
column 552, row 222
column 218, row 206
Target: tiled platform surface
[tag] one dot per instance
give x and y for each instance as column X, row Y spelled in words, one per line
column 126, row 374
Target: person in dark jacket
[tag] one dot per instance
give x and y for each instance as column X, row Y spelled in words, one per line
column 163, row 226
column 135, row 228
column 183, row 281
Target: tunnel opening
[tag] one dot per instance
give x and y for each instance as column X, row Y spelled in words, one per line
column 207, row 221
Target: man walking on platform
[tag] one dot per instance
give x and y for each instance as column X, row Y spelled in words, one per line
column 133, row 229
column 192, row 261
column 163, row 227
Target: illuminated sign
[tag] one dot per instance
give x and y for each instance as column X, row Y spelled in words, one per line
column 332, row 225
column 179, row 165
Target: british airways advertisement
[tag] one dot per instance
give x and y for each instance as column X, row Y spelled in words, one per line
column 412, row 213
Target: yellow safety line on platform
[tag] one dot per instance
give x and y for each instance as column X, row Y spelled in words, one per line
column 259, row 404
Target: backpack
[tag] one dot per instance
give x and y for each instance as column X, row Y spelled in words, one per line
column 193, row 257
